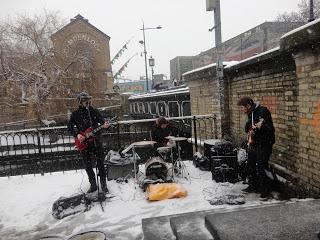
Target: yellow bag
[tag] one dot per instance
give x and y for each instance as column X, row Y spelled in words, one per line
column 160, row 191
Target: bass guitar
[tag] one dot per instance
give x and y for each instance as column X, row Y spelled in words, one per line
column 89, row 136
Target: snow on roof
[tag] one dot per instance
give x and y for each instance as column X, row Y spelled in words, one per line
column 161, row 93
column 301, row 28
column 208, row 66
column 253, row 57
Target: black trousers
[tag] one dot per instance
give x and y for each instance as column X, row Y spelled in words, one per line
column 93, row 153
column 258, row 158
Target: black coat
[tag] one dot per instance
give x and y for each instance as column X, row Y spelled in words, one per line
column 80, row 118
column 266, row 134
column 159, row 134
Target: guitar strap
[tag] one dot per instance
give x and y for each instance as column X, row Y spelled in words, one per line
column 252, row 123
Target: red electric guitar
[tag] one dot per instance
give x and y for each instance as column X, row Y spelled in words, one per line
column 89, row 136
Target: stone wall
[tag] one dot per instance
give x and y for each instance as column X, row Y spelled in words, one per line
column 287, row 81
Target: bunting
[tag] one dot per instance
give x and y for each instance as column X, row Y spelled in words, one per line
column 119, row 53
column 124, row 66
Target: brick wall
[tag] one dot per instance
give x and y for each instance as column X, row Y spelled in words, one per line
column 287, row 81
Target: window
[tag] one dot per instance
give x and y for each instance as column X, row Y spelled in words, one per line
column 173, row 109
column 146, row 107
column 153, row 108
column 162, row 110
column 185, row 108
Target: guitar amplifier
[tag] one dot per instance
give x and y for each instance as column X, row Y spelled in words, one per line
column 115, row 171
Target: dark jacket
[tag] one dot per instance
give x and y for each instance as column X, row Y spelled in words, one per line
column 159, row 134
column 266, row 134
column 80, row 118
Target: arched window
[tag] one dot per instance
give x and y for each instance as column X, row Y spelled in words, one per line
column 173, row 109
column 185, row 108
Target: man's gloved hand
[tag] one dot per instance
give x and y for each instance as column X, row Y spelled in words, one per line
column 81, row 138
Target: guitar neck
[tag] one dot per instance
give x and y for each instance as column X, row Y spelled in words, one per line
column 97, row 129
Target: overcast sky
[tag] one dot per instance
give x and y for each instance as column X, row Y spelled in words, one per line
column 185, row 24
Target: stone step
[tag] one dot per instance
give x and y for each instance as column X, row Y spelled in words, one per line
column 289, row 221
column 169, row 227
column 157, row 228
column 190, row 226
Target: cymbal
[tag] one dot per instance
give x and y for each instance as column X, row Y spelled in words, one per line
column 143, row 143
column 177, row 139
column 169, row 137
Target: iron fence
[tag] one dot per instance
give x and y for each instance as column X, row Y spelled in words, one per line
column 44, row 150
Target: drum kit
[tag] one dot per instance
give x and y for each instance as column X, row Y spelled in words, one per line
column 157, row 164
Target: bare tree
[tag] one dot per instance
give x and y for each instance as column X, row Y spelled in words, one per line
column 303, row 12
column 27, row 59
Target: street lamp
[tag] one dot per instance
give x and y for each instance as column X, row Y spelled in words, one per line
column 151, row 64
column 145, row 50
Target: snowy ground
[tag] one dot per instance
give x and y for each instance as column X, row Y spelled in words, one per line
column 26, row 204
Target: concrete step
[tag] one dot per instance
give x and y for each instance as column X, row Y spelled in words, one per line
column 157, row 228
column 172, row 227
column 290, row 221
column 190, row 226
column 275, row 221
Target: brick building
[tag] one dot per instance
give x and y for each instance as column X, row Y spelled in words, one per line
column 252, row 42
column 286, row 80
column 84, row 51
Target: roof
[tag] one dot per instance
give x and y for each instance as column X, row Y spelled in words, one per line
column 209, row 66
column 173, row 91
column 80, row 18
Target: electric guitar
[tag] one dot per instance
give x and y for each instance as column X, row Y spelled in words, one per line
column 251, row 140
column 89, row 136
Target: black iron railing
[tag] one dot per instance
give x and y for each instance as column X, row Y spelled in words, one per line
column 38, row 151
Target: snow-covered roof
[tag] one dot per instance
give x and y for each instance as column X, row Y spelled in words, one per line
column 301, row 28
column 161, row 93
column 208, row 66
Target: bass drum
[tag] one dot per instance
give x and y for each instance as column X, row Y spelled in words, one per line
column 92, row 235
column 156, row 168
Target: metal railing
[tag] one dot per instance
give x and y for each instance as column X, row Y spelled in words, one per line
column 43, row 150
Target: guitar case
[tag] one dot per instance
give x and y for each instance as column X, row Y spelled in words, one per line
column 67, row 206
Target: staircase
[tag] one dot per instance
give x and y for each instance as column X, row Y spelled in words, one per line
column 282, row 221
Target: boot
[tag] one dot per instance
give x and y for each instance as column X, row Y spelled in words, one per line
column 250, row 189
column 93, row 188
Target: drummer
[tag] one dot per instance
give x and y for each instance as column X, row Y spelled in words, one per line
column 160, row 131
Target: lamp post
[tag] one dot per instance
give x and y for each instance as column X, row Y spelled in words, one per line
column 214, row 5
column 145, row 50
column 311, row 14
column 151, row 64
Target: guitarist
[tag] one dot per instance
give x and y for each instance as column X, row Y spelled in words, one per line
column 261, row 137
column 83, row 118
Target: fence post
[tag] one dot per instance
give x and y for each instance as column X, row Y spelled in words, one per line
column 40, row 152
column 118, row 135
column 195, row 133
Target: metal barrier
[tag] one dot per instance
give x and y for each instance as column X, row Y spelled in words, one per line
column 43, row 150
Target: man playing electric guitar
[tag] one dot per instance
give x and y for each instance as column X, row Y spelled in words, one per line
column 261, row 137
column 82, row 125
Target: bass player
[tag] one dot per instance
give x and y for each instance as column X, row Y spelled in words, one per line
column 261, row 137
column 82, row 119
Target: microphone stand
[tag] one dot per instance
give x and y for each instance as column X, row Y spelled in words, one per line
column 100, row 198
